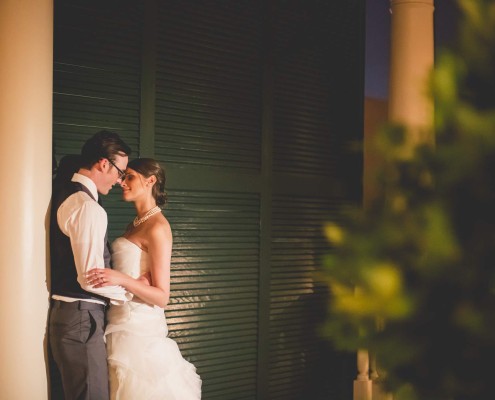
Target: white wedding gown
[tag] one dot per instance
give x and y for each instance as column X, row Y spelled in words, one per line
column 144, row 364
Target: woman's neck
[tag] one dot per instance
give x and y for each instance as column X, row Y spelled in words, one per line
column 142, row 207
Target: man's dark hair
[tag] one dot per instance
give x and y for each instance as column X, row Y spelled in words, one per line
column 103, row 144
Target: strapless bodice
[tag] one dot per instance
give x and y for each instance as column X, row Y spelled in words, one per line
column 131, row 260
column 128, row 258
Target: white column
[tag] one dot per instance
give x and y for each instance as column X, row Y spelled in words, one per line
column 362, row 384
column 411, row 61
column 26, row 69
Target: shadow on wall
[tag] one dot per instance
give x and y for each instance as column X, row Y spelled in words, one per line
column 62, row 173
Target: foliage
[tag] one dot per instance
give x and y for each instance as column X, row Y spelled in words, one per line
column 412, row 276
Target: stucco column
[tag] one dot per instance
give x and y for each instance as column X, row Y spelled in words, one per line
column 26, row 69
column 411, row 61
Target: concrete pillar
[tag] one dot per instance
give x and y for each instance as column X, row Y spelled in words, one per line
column 26, row 69
column 411, row 60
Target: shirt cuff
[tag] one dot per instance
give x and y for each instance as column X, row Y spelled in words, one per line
column 128, row 296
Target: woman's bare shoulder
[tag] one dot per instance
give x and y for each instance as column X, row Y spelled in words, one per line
column 160, row 227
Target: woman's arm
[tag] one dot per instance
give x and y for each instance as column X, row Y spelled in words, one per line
column 159, row 255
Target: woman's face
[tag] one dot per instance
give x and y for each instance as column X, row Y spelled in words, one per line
column 133, row 185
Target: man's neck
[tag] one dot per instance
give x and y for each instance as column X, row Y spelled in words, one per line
column 89, row 173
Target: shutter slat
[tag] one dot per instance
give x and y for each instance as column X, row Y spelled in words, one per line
column 213, row 311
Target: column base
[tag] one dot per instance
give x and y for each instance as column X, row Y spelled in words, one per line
column 362, row 390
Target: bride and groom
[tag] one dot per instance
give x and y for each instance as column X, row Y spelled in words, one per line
column 125, row 355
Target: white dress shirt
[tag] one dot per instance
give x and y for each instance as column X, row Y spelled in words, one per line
column 85, row 222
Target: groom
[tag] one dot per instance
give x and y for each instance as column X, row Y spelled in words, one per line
column 78, row 242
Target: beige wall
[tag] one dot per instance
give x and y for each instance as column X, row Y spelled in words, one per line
column 26, row 69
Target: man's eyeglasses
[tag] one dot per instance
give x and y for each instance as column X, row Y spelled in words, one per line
column 121, row 173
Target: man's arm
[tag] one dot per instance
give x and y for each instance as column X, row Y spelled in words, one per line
column 86, row 226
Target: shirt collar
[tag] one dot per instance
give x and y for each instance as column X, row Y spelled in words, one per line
column 84, row 180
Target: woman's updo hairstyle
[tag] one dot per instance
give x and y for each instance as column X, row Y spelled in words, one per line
column 148, row 167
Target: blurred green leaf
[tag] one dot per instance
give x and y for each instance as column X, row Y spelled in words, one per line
column 412, row 277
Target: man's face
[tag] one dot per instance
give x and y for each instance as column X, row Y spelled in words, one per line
column 111, row 174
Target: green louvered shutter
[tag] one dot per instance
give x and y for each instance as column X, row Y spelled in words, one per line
column 208, row 85
column 213, row 311
column 302, row 365
column 254, row 105
column 208, row 135
column 311, row 138
column 96, row 82
column 97, row 72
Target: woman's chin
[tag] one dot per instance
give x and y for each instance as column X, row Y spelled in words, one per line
column 126, row 197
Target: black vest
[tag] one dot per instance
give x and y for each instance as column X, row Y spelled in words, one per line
column 63, row 268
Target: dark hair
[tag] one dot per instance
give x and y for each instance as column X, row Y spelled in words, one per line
column 148, row 167
column 67, row 166
column 103, row 144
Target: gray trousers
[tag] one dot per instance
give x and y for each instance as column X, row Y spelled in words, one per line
column 76, row 343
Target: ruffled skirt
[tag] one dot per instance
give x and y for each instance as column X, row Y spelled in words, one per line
column 143, row 362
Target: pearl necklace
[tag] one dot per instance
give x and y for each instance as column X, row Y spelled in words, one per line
column 138, row 221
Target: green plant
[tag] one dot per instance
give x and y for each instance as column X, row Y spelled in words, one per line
column 412, row 277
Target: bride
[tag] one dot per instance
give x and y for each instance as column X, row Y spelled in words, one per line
column 143, row 362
